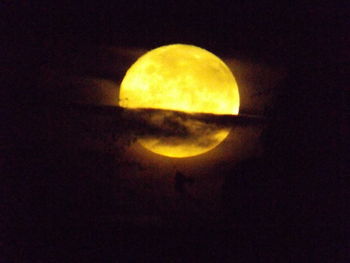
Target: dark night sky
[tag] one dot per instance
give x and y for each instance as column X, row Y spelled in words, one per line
column 281, row 185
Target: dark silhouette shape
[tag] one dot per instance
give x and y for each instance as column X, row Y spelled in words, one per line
column 181, row 181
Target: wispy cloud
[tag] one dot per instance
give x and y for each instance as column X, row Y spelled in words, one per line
column 166, row 126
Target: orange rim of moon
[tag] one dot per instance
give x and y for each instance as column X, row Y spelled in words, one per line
column 182, row 78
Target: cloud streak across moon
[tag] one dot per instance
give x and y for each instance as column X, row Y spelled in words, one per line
column 154, row 123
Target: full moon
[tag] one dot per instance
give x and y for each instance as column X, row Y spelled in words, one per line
column 183, row 78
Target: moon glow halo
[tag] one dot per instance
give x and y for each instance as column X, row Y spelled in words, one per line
column 182, row 78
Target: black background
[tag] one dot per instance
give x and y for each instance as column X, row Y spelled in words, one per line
column 303, row 166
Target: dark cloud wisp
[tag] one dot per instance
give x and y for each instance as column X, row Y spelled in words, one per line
column 167, row 126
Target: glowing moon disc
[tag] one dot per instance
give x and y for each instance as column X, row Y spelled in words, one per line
column 182, row 78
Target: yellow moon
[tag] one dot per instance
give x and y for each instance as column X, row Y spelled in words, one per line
column 182, row 78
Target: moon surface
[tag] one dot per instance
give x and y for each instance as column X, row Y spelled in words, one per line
column 183, row 78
